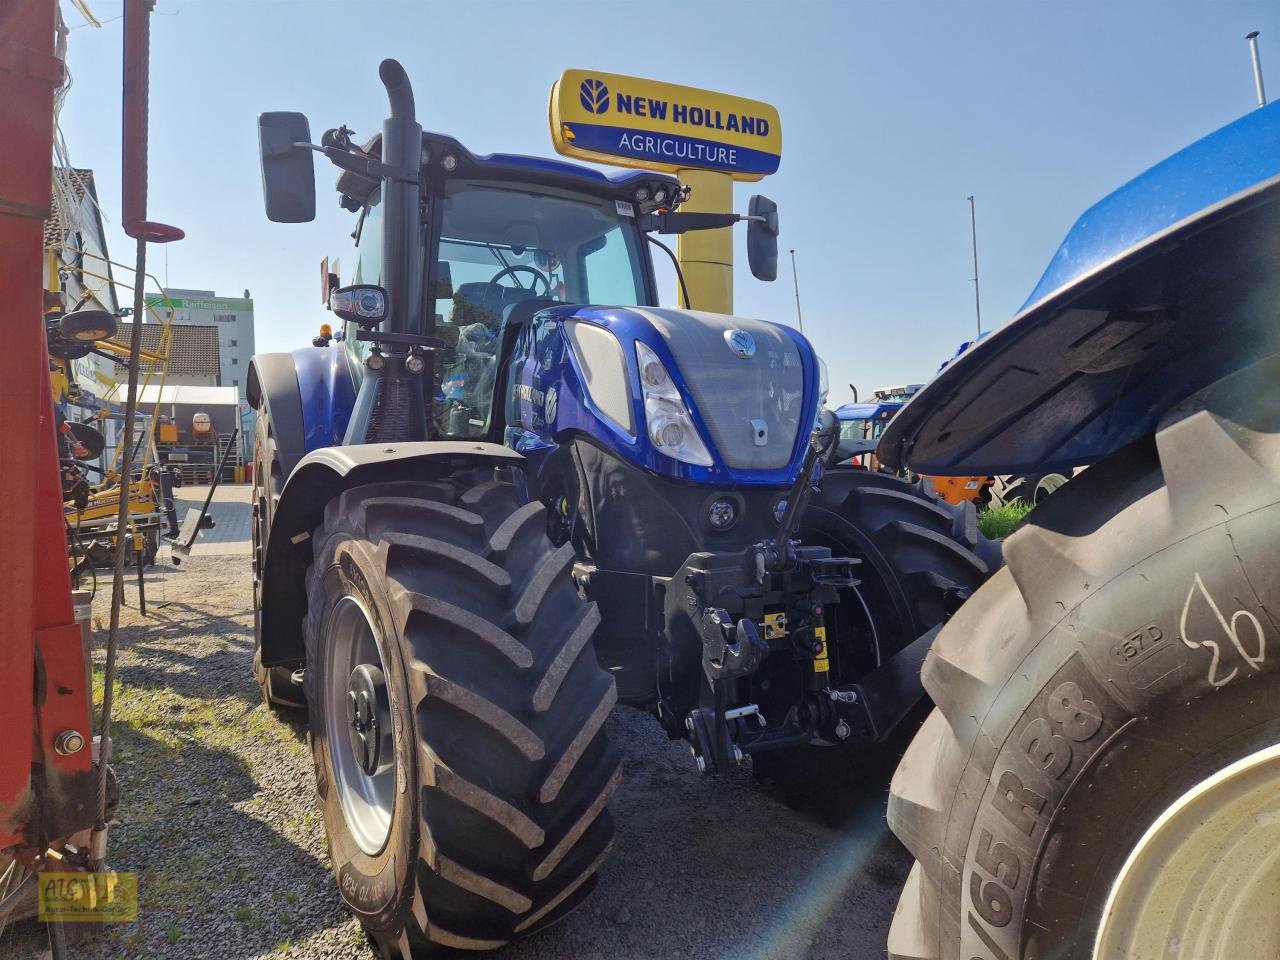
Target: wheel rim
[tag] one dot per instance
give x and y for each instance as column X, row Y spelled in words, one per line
column 1203, row 878
column 358, row 724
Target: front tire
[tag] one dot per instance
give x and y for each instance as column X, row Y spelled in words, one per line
column 495, row 819
column 1108, row 677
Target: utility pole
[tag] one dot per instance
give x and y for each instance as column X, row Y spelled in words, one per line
column 796, row 283
column 1252, row 37
column 973, row 230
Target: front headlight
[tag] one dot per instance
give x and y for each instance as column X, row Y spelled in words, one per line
column 824, row 387
column 669, row 423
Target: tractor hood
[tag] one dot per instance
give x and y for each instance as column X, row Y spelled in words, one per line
column 1163, row 287
column 751, row 388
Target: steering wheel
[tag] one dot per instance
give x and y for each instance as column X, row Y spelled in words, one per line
column 511, row 272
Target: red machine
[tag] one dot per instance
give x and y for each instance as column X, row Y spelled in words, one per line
column 52, row 792
column 47, row 791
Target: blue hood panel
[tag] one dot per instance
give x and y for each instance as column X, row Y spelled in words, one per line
column 1167, row 285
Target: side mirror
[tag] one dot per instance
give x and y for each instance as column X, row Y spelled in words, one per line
column 762, row 238
column 288, row 173
column 364, row 304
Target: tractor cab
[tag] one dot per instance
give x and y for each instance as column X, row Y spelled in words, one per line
column 506, row 236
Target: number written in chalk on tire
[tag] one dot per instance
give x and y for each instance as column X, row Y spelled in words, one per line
column 1229, row 627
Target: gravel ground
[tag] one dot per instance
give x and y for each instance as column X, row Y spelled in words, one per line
column 219, row 819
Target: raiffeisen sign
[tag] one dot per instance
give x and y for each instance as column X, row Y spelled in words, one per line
column 633, row 122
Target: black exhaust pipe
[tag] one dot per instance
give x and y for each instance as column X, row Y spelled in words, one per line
column 401, row 231
column 392, row 405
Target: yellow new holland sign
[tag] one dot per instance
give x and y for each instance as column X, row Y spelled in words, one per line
column 610, row 118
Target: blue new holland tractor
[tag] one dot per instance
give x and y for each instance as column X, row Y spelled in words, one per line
column 1100, row 779
column 517, row 491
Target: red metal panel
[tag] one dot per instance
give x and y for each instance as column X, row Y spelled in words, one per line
column 137, row 35
column 36, row 591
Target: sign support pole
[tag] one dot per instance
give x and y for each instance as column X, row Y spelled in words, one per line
column 706, row 256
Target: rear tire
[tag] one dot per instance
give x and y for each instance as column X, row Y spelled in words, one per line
column 1118, row 664
column 921, row 558
column 503, row 769
column 1031, row 488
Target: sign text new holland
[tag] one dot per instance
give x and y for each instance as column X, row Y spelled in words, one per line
column 646, row 123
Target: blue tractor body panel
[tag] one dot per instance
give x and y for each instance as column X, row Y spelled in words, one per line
column 867, row 411
column 1164, row 287
column 327, row 387
column 539, row 168
column 552, row 369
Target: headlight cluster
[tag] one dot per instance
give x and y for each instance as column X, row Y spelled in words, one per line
column 824, row 387
column 669, row 423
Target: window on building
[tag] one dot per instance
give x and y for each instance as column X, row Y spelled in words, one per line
column 231, row 343
column 235, row 361
column 235, row 383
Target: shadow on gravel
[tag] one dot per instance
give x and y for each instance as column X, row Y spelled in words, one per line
column 217, row 874
column 717, row 869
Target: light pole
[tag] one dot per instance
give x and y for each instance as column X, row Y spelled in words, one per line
column 1252, row 37
column 973, row 230
column 795, row 282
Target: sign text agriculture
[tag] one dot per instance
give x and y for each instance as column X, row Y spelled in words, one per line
column 610, row 118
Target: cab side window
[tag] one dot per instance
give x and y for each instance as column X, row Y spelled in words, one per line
column 368, row 266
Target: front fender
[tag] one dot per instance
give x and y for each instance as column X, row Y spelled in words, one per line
column 318, row 478
column 1162, row 288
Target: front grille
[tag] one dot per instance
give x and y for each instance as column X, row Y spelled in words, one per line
column 730, row 392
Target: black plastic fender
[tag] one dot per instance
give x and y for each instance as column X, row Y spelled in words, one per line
column 319, row 477
column 272, row 388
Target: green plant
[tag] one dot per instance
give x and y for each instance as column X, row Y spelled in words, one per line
column 174, row 934
column 243, row 914
column 997, row 522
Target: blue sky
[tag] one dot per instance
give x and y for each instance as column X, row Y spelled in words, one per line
column 892, row 114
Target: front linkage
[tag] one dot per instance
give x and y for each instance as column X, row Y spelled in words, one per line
column 768, row 600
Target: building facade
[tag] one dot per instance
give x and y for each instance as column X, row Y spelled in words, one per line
column 233, row 319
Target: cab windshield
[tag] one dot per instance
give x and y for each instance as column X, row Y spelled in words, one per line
column 504, row 244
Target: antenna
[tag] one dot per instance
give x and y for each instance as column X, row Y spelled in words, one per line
column 973, row 230
column 796, row 283
column 1252, row 37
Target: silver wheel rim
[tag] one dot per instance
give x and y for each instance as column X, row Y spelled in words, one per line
column 367, row 798
column 1204, row 880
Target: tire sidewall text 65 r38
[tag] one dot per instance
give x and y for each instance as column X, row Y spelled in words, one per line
column 1121, row 661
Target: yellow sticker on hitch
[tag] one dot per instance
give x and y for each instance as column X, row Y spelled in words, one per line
column 775, row 626
column 820, row 662
column 87, row 897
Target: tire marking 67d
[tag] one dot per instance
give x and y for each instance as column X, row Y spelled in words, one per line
column 1230, row 629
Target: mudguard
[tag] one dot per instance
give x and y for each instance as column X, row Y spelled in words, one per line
column 1165, row 286
column 309, row 395
column 318, row 478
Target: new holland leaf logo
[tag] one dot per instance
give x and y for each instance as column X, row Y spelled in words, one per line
column 594, row 96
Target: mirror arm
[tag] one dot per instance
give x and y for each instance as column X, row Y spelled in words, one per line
column 684, row 222
column 360, row 164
